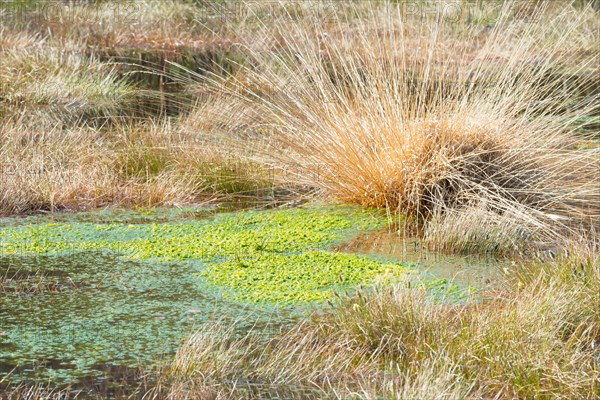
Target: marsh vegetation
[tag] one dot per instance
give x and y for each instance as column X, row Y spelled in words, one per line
column 230, row 182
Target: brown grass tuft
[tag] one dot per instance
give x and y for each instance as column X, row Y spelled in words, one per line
column 430, row 119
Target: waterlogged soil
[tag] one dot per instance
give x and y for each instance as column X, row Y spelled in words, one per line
column 87, row 298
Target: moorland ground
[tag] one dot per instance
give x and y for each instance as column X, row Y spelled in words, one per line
column 475, row 126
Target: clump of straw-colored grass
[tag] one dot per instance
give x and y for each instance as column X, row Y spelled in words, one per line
column 429, row 119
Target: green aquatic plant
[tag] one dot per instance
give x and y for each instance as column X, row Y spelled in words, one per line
column 232, row 234
column 124, row 293
column 280, row 256
column 113, row 292
column 274, row 256
column 311, row 276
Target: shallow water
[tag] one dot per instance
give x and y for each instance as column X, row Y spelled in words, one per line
column 91, row 310
column 92, row 317
column 483, row 273
column 87, row 298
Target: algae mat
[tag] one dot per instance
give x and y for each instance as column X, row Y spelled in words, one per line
column 85, row 291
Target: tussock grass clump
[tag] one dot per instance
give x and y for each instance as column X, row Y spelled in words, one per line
column 430, row 119
column 538, row 341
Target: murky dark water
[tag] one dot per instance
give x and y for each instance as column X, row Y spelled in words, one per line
column 67, row 319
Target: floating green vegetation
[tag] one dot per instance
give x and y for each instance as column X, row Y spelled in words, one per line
column 101, row 288
column 311, row 276
column 281, row 230
column 88, row 289
column 278, row 256
column 279, row 246
column 281, row 253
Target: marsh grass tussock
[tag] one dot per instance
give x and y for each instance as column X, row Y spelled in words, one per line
column 430, row 119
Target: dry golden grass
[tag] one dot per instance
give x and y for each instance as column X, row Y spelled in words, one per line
column 358, row 100
column 538, row 339
column 431, row 120
column 72, row 136
column 146, row 164
column 473, row 129
column 109, row 23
